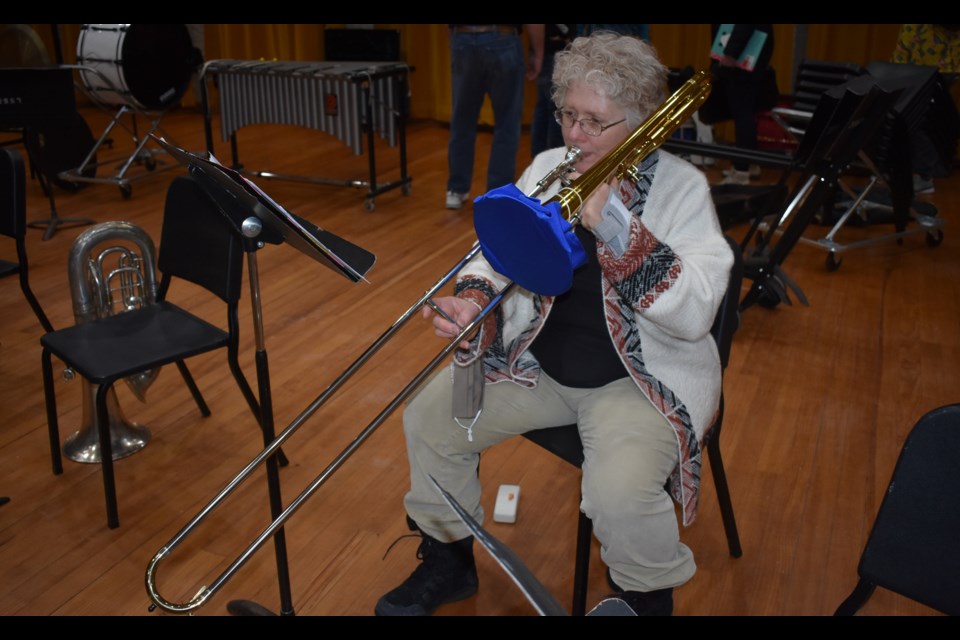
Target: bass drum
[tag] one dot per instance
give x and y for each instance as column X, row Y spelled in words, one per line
column 141, row 65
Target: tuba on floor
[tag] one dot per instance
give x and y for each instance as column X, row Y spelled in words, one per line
column 105, row 281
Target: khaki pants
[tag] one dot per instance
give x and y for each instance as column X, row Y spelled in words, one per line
column 629, row 448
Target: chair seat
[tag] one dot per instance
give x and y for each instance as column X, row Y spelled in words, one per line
column 120, row 345
column 563, row 442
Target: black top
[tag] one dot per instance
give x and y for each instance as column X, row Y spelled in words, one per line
column 574, row 346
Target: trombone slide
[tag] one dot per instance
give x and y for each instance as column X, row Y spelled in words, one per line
column 645, row 139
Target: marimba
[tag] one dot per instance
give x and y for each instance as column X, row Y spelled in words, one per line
column 350, row 100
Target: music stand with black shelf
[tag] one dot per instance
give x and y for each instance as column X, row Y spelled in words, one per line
column 260, row 220
column 40, row 104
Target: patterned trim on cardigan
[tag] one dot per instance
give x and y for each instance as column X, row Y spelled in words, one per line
column 481, row 292
column 647, row 270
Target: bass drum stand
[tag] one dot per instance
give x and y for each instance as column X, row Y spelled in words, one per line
column 126, row 117
column 144, row 70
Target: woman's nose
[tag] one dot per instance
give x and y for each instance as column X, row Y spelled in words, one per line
column 575, row 135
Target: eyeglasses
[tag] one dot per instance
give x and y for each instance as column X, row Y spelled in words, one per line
column 589, row 126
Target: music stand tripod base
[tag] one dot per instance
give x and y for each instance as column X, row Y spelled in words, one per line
column 51, row 225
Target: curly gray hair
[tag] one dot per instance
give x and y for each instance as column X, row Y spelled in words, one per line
column 623, row 68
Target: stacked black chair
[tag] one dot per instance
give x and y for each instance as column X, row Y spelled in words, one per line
column 846, row 118
column 921, row 109
column 814, row 78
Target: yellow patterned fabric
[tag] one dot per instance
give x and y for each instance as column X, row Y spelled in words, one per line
column 929, row 44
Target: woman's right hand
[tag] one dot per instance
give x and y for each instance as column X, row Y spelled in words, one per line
column 462, row 312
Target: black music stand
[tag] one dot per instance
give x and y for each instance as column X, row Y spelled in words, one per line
column 259, row 219
column 42, row 104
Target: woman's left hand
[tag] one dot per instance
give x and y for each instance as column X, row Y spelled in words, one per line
column 590, row 213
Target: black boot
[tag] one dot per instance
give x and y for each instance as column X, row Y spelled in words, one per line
column 447, row 573
column 649, row 603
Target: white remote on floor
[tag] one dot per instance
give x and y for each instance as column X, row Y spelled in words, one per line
column 505, row 509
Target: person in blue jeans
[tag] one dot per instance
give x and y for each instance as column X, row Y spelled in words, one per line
column 487, row 59
column 545, row 132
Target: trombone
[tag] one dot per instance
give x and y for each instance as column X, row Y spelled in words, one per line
column 621, row 161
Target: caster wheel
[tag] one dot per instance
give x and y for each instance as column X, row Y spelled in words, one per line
column 126, row 191
column 768, row 301
column 369, row 204
column 833, row 262
column 405, row 189
column 934, row 238
column 150, row 163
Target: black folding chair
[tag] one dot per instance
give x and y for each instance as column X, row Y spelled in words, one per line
column 199, row 245
column 912, row 549
column 13, row 223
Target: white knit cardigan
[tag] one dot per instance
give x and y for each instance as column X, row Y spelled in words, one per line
column 661, row 298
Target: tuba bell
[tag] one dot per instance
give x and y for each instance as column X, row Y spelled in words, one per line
column 120, row 278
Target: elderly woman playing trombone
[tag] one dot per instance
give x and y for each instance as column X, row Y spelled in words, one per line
column 626, row 352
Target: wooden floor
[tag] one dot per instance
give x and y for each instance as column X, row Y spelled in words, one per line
column 819, row 401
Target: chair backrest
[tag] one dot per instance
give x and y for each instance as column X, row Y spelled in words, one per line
column 923, row 106
column 846, row 117
column 13, row 208
column 198, row 243
column 13, row 223
column 816, row 77
column 727, row 320
column 912, row 549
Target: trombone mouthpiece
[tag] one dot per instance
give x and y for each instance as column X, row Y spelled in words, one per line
column 566, row 167
column 559, row 172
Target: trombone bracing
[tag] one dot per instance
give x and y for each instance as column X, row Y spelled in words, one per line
column 646, row 138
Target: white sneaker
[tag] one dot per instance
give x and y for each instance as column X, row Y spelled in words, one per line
column 455, row 200
column 754, row 172
column 736, row 177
